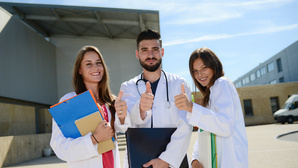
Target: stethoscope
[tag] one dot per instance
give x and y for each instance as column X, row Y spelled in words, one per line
column 167, row 104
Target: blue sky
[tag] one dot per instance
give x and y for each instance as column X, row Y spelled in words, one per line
column 243, row 34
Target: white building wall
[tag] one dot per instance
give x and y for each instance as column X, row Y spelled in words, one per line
column 119, row 55
column 292, row 52
column 27, row 64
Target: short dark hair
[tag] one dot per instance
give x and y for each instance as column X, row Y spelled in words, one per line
column 148, row 34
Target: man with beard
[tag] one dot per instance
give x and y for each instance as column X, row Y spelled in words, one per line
column 150, row 100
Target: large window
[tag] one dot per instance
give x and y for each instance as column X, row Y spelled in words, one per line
column 281, row 80
column 238, row 84
column 243, row 81
column 270, row 67
column 273, row 81
column 258, row 73
column 246, row 79
column 252, row 77
column 274, row 104
column 279, row 66
column 263, row 71
column 248, row 108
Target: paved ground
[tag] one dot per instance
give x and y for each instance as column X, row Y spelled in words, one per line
column 273, row 145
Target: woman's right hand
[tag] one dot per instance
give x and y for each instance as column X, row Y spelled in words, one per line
column 196, row 164
column 103, row 132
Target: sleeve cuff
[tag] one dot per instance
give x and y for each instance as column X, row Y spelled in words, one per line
column 194, row 117
column 136, row 116
column 122, row 127
column 91, row 148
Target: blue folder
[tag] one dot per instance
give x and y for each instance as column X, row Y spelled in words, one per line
column 67, row 112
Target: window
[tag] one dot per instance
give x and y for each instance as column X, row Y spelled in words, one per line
column 248, row 108
column 252, row 77
column 247, row 79
column 238, row 84
column 281, row 80
column 294, row 105
column 258, row 73
column 273, row 81
column 274, row 104
column 270, row 67
column 263, row 71
column 279, row 66
column 243, row 81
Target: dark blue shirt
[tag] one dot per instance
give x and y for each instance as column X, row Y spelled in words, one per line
column 153, row 86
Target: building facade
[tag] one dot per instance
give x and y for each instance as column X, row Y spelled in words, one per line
column 38, row 47
column 281, row 68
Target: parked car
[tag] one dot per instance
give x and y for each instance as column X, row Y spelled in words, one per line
column 289, row 111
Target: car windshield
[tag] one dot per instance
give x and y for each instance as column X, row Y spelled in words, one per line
column 286, row 106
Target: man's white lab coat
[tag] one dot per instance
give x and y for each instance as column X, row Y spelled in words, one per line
column 162, row 116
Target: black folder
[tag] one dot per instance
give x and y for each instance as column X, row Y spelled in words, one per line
column 144, row 144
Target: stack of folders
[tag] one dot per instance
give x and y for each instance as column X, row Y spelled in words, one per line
column 78, row 116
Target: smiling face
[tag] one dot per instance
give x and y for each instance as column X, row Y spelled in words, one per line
column 150, row 54
column 202, row 73
column 91, row 69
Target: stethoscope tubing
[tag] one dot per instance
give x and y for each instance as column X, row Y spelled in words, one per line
column 168, row 104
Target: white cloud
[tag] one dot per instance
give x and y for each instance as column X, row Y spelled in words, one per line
column 225, row 36
column 210, row 11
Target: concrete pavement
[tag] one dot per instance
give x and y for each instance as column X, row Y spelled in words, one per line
column 273, row 145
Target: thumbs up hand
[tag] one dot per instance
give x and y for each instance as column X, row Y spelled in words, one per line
column 182, row 102
column 121, row 107
column 146, row 100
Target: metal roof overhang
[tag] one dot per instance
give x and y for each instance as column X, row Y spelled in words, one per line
column 59, row 20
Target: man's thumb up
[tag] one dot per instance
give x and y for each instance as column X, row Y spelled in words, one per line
column 148, row 87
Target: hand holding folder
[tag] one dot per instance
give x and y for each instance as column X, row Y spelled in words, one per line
column 78, row 116
column 89, row 124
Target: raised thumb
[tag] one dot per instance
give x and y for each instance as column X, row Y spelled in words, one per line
column 119, row 95
column 182, row 88
column 148, row 87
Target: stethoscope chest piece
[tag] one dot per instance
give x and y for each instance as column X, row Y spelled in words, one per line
column 168, row 105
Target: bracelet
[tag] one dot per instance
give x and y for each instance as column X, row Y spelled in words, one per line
column 95, row 138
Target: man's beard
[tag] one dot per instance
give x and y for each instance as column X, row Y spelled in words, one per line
column 150, row 68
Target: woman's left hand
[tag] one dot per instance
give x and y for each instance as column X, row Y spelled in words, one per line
column 121, row 107
column 182, row 102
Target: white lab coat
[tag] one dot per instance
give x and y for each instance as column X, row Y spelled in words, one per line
column 224, row 118
column 162, row 117
column 80, row 152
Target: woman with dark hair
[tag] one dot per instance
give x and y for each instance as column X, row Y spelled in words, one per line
column 219, row 113
column 91, row 73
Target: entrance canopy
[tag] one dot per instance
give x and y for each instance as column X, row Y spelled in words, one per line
column 57, row 20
